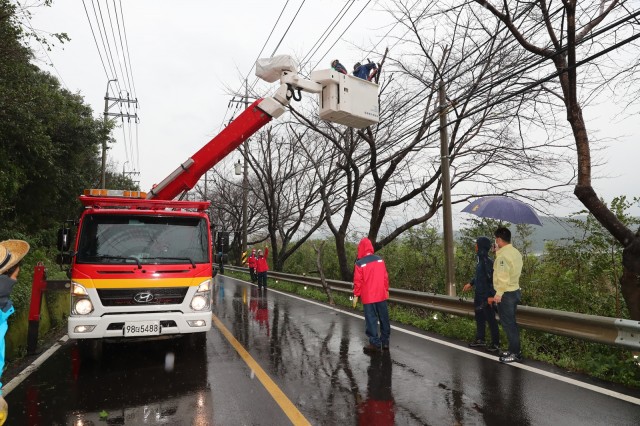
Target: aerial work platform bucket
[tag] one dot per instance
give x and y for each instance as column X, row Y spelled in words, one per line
column 346, row 99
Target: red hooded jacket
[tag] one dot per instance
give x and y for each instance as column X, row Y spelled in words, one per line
column 370, row 278
column 251, row 260
column 261, row 261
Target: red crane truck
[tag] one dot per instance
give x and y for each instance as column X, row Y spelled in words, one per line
column 141, row 264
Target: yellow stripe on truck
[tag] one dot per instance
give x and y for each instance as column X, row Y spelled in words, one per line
column 141, row 283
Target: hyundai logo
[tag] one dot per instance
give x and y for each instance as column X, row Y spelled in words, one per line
column 144, row 297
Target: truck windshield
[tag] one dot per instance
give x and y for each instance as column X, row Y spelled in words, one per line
column 137, row 239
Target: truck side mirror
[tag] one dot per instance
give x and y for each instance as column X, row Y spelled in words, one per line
column 64, row 239
column 64, row 258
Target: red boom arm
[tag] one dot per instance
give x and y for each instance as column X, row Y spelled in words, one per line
column 186, row 176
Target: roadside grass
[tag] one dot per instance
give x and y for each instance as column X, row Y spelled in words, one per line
column 604, row 362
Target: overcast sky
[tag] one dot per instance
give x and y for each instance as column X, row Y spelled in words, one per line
column 185, row 56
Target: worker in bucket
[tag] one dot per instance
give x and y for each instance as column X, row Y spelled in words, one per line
column 336, row 65
column 365, row 71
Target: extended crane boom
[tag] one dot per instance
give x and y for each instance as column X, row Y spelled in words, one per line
column 344, row 99
column 186, row 176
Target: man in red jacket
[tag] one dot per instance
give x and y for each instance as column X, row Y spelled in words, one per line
column 371, row 285
column 262, row 267
column 251, row 262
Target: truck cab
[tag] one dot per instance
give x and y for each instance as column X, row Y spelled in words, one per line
column 140, row 268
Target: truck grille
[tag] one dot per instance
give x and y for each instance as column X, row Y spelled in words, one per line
column 127, row 297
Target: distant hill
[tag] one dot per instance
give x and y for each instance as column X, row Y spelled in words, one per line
column 552, row 229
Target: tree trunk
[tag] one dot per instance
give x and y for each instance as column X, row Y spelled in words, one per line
column 346, row 268
column 630, row 279
column 323, row 280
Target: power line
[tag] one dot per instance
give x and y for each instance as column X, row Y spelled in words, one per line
column 266, row 41
column 128, row 56
column 115, row 44
column 95, row 40
column 115, row 11
column 104, row 45
column 332, row 25
column 345, row 30
column 224, row 119
column 289, row 27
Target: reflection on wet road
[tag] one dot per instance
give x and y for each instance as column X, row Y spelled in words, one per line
column 133, row 383
column 313, row 355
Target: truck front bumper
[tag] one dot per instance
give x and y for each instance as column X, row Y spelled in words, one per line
column 112, row 326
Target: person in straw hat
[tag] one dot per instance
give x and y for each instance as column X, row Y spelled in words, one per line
column 11, row 254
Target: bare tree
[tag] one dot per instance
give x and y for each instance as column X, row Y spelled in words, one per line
column 390, row 173
column 226, row 209
column 287, row 192
column 570, row 30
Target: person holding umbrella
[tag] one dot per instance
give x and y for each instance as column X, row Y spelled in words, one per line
column 506, row 280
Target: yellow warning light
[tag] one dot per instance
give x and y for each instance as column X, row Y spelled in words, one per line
column 115, row 193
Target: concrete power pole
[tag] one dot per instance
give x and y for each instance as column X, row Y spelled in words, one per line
column 245, row 177
column 446, row 195
column 108, row 114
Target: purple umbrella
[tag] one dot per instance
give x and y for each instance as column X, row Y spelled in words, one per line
column 503, row 208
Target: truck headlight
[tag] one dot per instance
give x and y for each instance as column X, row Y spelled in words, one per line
column 202, row 298
column 78, row 290
column 205, row 286
column 80, row 301
column 198, row 303
column 83, row 307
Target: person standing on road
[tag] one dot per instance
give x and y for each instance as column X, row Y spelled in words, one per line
column 262, row 267
column 506, row 280
column 11, row 254
column 482, row 282
column 251, row 262
column 371, row 285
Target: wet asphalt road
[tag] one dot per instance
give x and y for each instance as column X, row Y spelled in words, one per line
column 313, row 354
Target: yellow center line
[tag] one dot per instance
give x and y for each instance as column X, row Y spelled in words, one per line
column 276, row 393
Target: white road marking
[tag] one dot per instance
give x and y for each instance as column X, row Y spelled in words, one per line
column 6, row 389
column 494, row 358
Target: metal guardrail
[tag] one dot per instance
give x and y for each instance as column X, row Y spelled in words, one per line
column 593, row 328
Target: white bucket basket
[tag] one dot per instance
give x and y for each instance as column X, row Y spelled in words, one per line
column 346, row 99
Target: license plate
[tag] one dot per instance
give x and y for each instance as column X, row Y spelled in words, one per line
column 141, row 328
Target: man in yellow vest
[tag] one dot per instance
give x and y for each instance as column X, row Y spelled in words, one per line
column 506, row 280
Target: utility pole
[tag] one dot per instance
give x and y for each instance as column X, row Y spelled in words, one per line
column 125, row 173
column 446, row 194
column 108, row 114
column 245, row 177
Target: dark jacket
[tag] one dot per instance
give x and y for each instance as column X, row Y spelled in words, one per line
column 483, row 280
column 363, row 70
column 370, row 278
column 6, row 285
column 340, row 68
